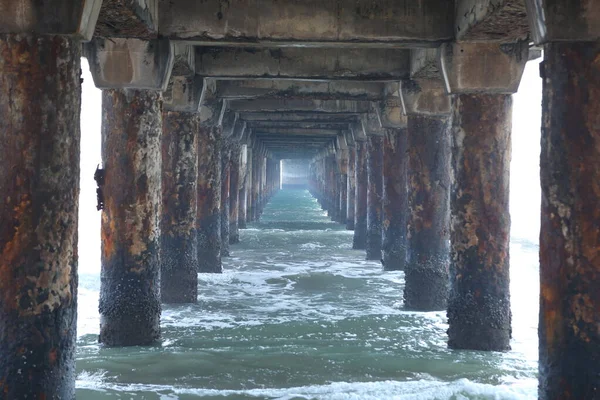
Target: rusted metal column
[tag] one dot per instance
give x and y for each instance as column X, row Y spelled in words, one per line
column 208, row 219
column 351, row 188
column 40, row 100
column 225, row 183
column 234, row 193
column 395, row 199
column 570, row 237
column 374, row 196
column 479, row 303
column 426, row 272
column 179, row 241
column 131, row 154
column 360, row 211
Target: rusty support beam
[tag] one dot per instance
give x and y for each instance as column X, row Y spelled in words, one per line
column 208, row 218
column 395, row 199
column 426, row 272
column 479, row 303
column 359, row 241
column 179, row 241
column 374, row 196
column 234, row 194
column 225, row 199
column 351, row 188
column 570, row 238
column 40, row 100
column 131, row 154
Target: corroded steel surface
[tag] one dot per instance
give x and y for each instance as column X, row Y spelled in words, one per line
column 131, row 154
column 179, row 242
column 39, row 197
column 479, row 302
column 208, row 219
column 426, row 272
column 234, row 194
column 360, row 198
column 225, row 183
column 570, row 234
column 395, row 199
column 374, row 196
column 351, row 188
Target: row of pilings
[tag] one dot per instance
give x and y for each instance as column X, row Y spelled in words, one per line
column 431, row 199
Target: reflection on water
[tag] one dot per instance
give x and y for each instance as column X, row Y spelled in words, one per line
column 298, row 314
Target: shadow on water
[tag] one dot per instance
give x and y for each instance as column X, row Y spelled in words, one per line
column 298, row 314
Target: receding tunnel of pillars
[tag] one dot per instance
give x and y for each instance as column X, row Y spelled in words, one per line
column 418, row 169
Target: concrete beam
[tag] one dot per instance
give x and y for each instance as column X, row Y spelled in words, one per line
column 306, row 117
column 483, row 67
column 425, row 64
column 332, row 90
column 130, row 63
column 299, row 125
column 298, row 131
column 564, row 20
column 310, row 23
column 66, row 17
column 425, row 97
column 128, row 19
column 491, row 20
column 304, row 63
column 324, row 106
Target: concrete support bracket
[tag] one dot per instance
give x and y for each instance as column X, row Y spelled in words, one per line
column 425, row 97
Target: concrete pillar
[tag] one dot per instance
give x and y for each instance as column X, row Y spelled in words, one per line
column 225, row 184
column 131, row 154
column 360, row 211
column 569, row 240
column 351, row 188
column 234, row 194
column 374, row 196
column 343, row 199
column 179, row 241
column 426, row 272
column 248, row 185
column 208, row 219
column 40, row 101
column 395, row 199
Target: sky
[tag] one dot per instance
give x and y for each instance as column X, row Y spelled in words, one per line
column 525, row 184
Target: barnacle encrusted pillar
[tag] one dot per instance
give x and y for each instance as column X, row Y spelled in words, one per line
column 225, row 183
column 351, row 186
column 40, row 101
column 234, row 194
column 374, row 196
column 570, row 175
column 360, row 211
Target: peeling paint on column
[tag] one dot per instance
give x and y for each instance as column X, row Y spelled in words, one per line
column 360, row 198
column 374, row 196
column 570, row 234
column 426, row 271
column 131, row 153
column 179, row 243
column 40, row 100
column 479, row 304
column 209, row 199
column 234, row 194
column 225, row 182
column 395, row 199
column 351, row 189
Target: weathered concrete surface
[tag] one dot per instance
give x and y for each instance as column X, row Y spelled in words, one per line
column 395, row 199
column 234, row 194
column 426, row 272
column 131, row 154
column 179, row 241
column 564, row 20
column 491, row 20
column 128, row 18
column 343, row 199
column 76, row 18
column 130, row 63
column 425, row 97
column 570, row 239
column 479, row 303
column 40, row 100
column 310, row 23
column 225, row 199
column 183, row 93
column 374, row 196
column 360, row 198
column 208, row 219
column 299, row 105
column 250, row 184
column 351, row 187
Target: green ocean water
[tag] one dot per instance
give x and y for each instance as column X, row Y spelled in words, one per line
column 298, row 314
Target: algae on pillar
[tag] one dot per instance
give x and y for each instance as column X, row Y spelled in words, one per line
column 225, row 183
column 360, row 211
column 374, row 196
